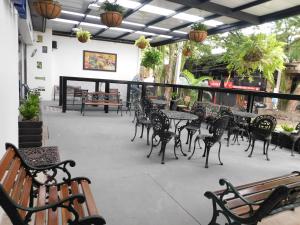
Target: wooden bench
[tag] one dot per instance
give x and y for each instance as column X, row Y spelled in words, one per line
column 25, row 199
column 250, row 203
column 102, row 99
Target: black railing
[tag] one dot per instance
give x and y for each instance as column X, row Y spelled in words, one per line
column 63, row 81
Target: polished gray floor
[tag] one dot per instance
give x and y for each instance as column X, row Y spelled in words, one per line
column 131, row 189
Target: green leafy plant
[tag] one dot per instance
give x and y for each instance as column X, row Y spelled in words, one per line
column 248, row 54
column 287, row 128
column 109, row 6
column 199, row 26
column 174, row 95
column 30, row 109
column 195, row 81
column 151, row 58
column 142, row 42
column 83, row 35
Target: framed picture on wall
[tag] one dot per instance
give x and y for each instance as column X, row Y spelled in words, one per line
column 100, row 61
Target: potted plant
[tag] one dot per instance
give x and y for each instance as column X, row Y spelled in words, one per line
column 47, row 8
column 83, row 35
column 198, row 32
column 30, row 124
column 187, row 51
column 287, row 128
column 113, row 15
column 142, row 42
column 151, row 58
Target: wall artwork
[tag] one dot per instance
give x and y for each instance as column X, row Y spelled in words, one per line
column 39, row 65
column 44, row 49
column 39, row 39
column 40, row 78
column 99, row 61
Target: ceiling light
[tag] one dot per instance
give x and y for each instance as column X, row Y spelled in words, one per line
column 188, row 17
column 212, row 23
column 120, row 29
column 133, row 24
column 145, row 33
column 179, row 32
column 92, row 25
column 165, row 36
column 93, row 17
column 65, row 21
column 93, row 6
column 72, row 13
column 159, row 28
column 156, row 10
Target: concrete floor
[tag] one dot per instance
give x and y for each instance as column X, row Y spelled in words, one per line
column 131, row 189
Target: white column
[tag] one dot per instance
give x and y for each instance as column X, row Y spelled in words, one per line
column 178, row 62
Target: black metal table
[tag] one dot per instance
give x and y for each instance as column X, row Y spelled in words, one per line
column 159, row 102
column 244, row 114
column 179, row 116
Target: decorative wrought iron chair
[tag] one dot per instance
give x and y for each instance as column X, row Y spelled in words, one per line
column 294, row 137
column 192, row 127
column 216, row 131
column 161, row 124
column 261, row 128
column 141, row 120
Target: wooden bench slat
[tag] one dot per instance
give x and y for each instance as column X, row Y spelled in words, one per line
column 25, row 195
column 6, row 161
column 11, row 175
column 244, row 210
column 40, row 216
column 78, row 207
column 91, row 205
column 53, row 215
column 16, row 192
column 64, row 191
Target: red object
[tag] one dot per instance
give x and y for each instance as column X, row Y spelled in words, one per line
column 217, row 83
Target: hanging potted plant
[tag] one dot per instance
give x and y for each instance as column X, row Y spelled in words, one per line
column 83, row 35
column 113, row 15
column 198, row 32
column 142, row 42
column 151, row 58
column 47, row 8
column 187, row 51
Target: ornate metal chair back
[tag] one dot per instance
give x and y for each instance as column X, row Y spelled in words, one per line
column 147, row 106
column 225, row 111
column 160, row 122
column 263, row 125
column 297, row 128
column 199, row 110
column 218, row 127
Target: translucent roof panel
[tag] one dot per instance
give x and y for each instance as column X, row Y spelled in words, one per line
column 232, row 3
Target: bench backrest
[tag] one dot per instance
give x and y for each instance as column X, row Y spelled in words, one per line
column 113, row 97
column 15, row 185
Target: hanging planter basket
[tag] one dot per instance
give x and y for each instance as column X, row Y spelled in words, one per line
column 197, row 35
column 187, row 52
column 254, row 55
column 83, row 39
column 47, row 9
column 111, row 18
column 142, row 45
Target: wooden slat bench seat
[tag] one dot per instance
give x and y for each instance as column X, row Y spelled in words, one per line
column 26, row 200
column 250, row 203
column 102, row 99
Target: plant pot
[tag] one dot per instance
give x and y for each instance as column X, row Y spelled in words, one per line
column 30, row 134
column 253, row 56
column 187, row 52
column 197, row 35
column 48, row 9
column 82, row 39
column 142, row 45
column 111, row 18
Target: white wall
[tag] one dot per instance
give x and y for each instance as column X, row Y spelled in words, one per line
column 9, row 86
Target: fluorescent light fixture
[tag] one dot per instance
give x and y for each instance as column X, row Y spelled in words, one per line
column 159, row 28
column 92, row 25
column 156, row 10
column 179, row 32
column 188, row 17
column 93, row 6
column 120, row 29
column 165, row 36
column 145, row 33
column 65, row 21
column 72, row 13
column 93, row 17
column 212, row 23
column 125, row 3
column 134, row 24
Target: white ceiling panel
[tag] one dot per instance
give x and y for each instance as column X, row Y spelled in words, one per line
column 74, row 5
column 226, row 20
column 166, row 4
column 170, row 23
column 198, row 12
column 142, row 17
column 111, row 33
column 232, row 3
column 58, row 26
column 132, row 37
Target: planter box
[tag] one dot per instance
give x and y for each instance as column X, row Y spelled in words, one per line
column 30, row 134
column 284, row 141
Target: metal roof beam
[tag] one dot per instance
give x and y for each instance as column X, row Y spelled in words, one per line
column 249, row 5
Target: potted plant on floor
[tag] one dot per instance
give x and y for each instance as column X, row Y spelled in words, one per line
column 47, row 8
column 187, row 51
column 83, row 35
column 30, row 124
column 142, row 42
column 198, row 32
column 113, row 15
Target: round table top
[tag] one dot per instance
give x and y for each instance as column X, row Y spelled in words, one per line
column 244, row 114
column 177, row 115
column 159, row 102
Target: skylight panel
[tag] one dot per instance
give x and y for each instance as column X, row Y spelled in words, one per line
column 93, row 17
column 133, row 24
column 65, row 21
column 179, row 32
column 145, row 33
column 72, row 13
column 187, row 17
column 125, row 3
column 159, row 28
column 165, row 36
column 120, row 29
column 213, row 23
column 156, row 10
column 92, row 25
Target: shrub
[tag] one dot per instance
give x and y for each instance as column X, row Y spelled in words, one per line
column 30, row 108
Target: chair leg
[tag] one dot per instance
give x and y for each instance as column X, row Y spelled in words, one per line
column 293, row 148
column 228, row 138
column 148, row 131
column 163, row 150
column 264, row 149
column 195, row 141
column 187, row 139
column 267, row 151
column 135, row 131
column 253, row 142
column 248, row 145
column 219, row 153
column 151, row 146
column 190, row 139
column 176, row 142
column 142, row 132
column 134, row 117
column 207, row 155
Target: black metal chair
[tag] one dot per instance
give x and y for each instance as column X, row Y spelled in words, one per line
column 261, row 128
column 141, row 120
column 195, row 125
column 160, row 125
column 216, row 131
column 295, row 137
